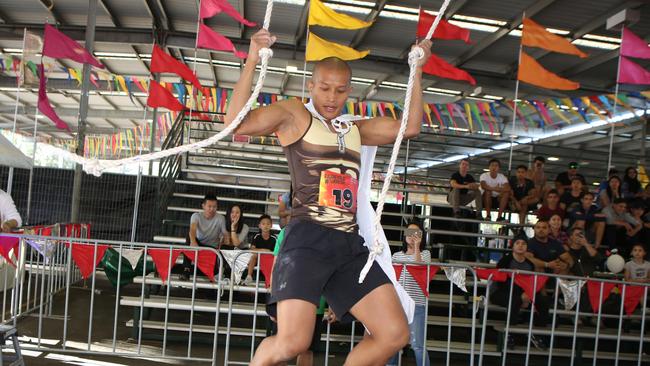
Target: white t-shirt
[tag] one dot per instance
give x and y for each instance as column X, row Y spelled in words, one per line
column 8, row 209
column 499, row 181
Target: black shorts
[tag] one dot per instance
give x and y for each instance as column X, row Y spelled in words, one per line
column 315, row 260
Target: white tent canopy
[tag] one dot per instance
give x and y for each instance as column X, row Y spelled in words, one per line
column 12, row 157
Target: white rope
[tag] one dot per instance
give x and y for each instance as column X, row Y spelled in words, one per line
column 416, row 54
column 96, row 167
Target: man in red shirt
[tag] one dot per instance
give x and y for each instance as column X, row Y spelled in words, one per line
column 550, row 207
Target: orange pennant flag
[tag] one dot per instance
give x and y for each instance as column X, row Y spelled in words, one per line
column 531, row 72
column 534, row 35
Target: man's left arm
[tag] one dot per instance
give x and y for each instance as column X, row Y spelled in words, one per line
column 9, row 212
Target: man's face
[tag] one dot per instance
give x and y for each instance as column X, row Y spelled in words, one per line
column 552, row 199
column 539, row 164
column 520, row 247
column 494, row 167
column 209, row 209
column 521, row 174
column 463, row 167
column 329, row 90
column 587, row 200
column 576, row 185
column 577, row 236
column 573, row 171
column 265, row 225
column 541, row 230
column 619, row 208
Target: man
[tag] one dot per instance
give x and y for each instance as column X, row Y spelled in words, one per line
column 263, row 241
column 570, row 200
column 523, row 193
column 551, row 207
column 621, row 225
column 563, row 180
column 538, row 176
column 207, row 229
column 588, row 218
column 496, row 190
column 322, row 252
column 464, row 190
column 547, row 253
column 585, row 256
column 9, row 216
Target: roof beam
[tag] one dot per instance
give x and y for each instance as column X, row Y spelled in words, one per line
column 158, row 14
column 374, row 14
column 213, row 68
column 4, row 18
column 302, row 28
column 49, row 6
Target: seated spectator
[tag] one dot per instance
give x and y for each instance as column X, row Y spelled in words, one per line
column 9, row 216
column 621, row 226
column 496, row 190
column 589, row 218
column 586, row 258
column 637, row 210
column 262, row 241
column 547, row 253
column 604, row 184
column 284, row 207
column 524, row 197
column 464, row 190
column 611, row 193
column 631, row 187
column 238, row 237
column 517, row 261
column 556, row 231
column 646, row 197
column 570, row 200
column 563, row 180
column 538, row 176
column 207, row 229
column 413, row 251
column 638, row 269
column 550, row 207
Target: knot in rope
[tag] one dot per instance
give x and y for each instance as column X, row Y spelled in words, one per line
column 416, row 54
column 93, row 167
column 265, row 53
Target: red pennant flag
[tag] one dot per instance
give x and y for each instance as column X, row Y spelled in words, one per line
column 58, row 45
column 527, row 282
column 632, row 73
column 633, row 296
column 6, row 245
column 162, row 62
column 83, row 255
column 439, row 67
column 419, row 274
column 161, row 260
column 266, row 266
column 398, row 270
column 161, row 97
column 593, row 290
column 210, row 8
column 207, row 38
column 445, row 29
column 484, row 274
column 44, row 105
column 633, row 45
column 207, row 260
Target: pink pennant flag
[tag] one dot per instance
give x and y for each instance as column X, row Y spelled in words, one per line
column 58, row 45
column 210, row 8
column 634, row 46
column 207, row 38
column 44, row 102
column 632, row 73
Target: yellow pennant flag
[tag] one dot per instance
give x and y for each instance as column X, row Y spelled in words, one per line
column 320, row 14
column 558, row 112
column 318, row 49
column 642, row 175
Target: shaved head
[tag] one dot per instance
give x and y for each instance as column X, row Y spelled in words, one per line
column 332, row 64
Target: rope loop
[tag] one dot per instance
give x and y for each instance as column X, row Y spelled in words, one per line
column 266, row 53
column 416, row 54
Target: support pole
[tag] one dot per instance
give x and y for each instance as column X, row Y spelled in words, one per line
column 611, row 133
column 514, row 112
column 83, row 110
column 31, row 171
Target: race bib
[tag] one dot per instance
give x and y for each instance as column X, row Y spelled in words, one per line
column 338, row 190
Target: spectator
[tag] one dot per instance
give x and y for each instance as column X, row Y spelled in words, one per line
column 464, row 190
column 570, row 200
column 631, row 187
column 263, row 241
column 9, row 216
column 550, row 207
column 496, row 190
column 611, row 193
column 547, row 253
column 563, row 180
column 538, row 176
column 524, row 197
column 517, row 261
column 588, row 218
column 621, row 225
column 413, row 251
column 586, row 258
column 604, row 184
column 284, row 207
column 646, row 196
column 637, row 210
column 638, row 269
column 556, row 231
column 238, row 237
column 207, row 229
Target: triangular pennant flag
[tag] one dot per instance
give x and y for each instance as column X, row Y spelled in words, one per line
column 318, row 49
column 457, row 276
column 398, row 270
column 44, row 105
column 633, row 295
column 132, row 256
column 7, row 244
column 527, row 282
column 206, row 262
column 43, row 247
column 419, row 274
column 593, row 290
column 161, row 97
column 266, row 266
column 571, row 291
column 83, row 255
column 534, row 35
column 484, row 274
column 210, row 8
column 530, row 71
column 445, row 29
column 207, row 38
column 237, row 260
column 320, row 14
column 162, row 62
column 633, row 46
column 439, row 67
column 58, row 45
column 632, row 73
column 161, row 259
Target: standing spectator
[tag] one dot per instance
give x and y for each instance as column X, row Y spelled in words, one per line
column 631, row 187
column 413, row 251
column 262, row 241
column 496, row 190
column 538, row 176
column 588, row 217
column 524, row 197
column 638, row 269
column 550, row 207
column 9, row 216
column 563, row 180
column 238, row 236
column 556, row 231
column 284, row 207
column 547, row 253
column 570, row 200
column 621, row 225
column 611, row 193
column 586, row 258
column 464, row 190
